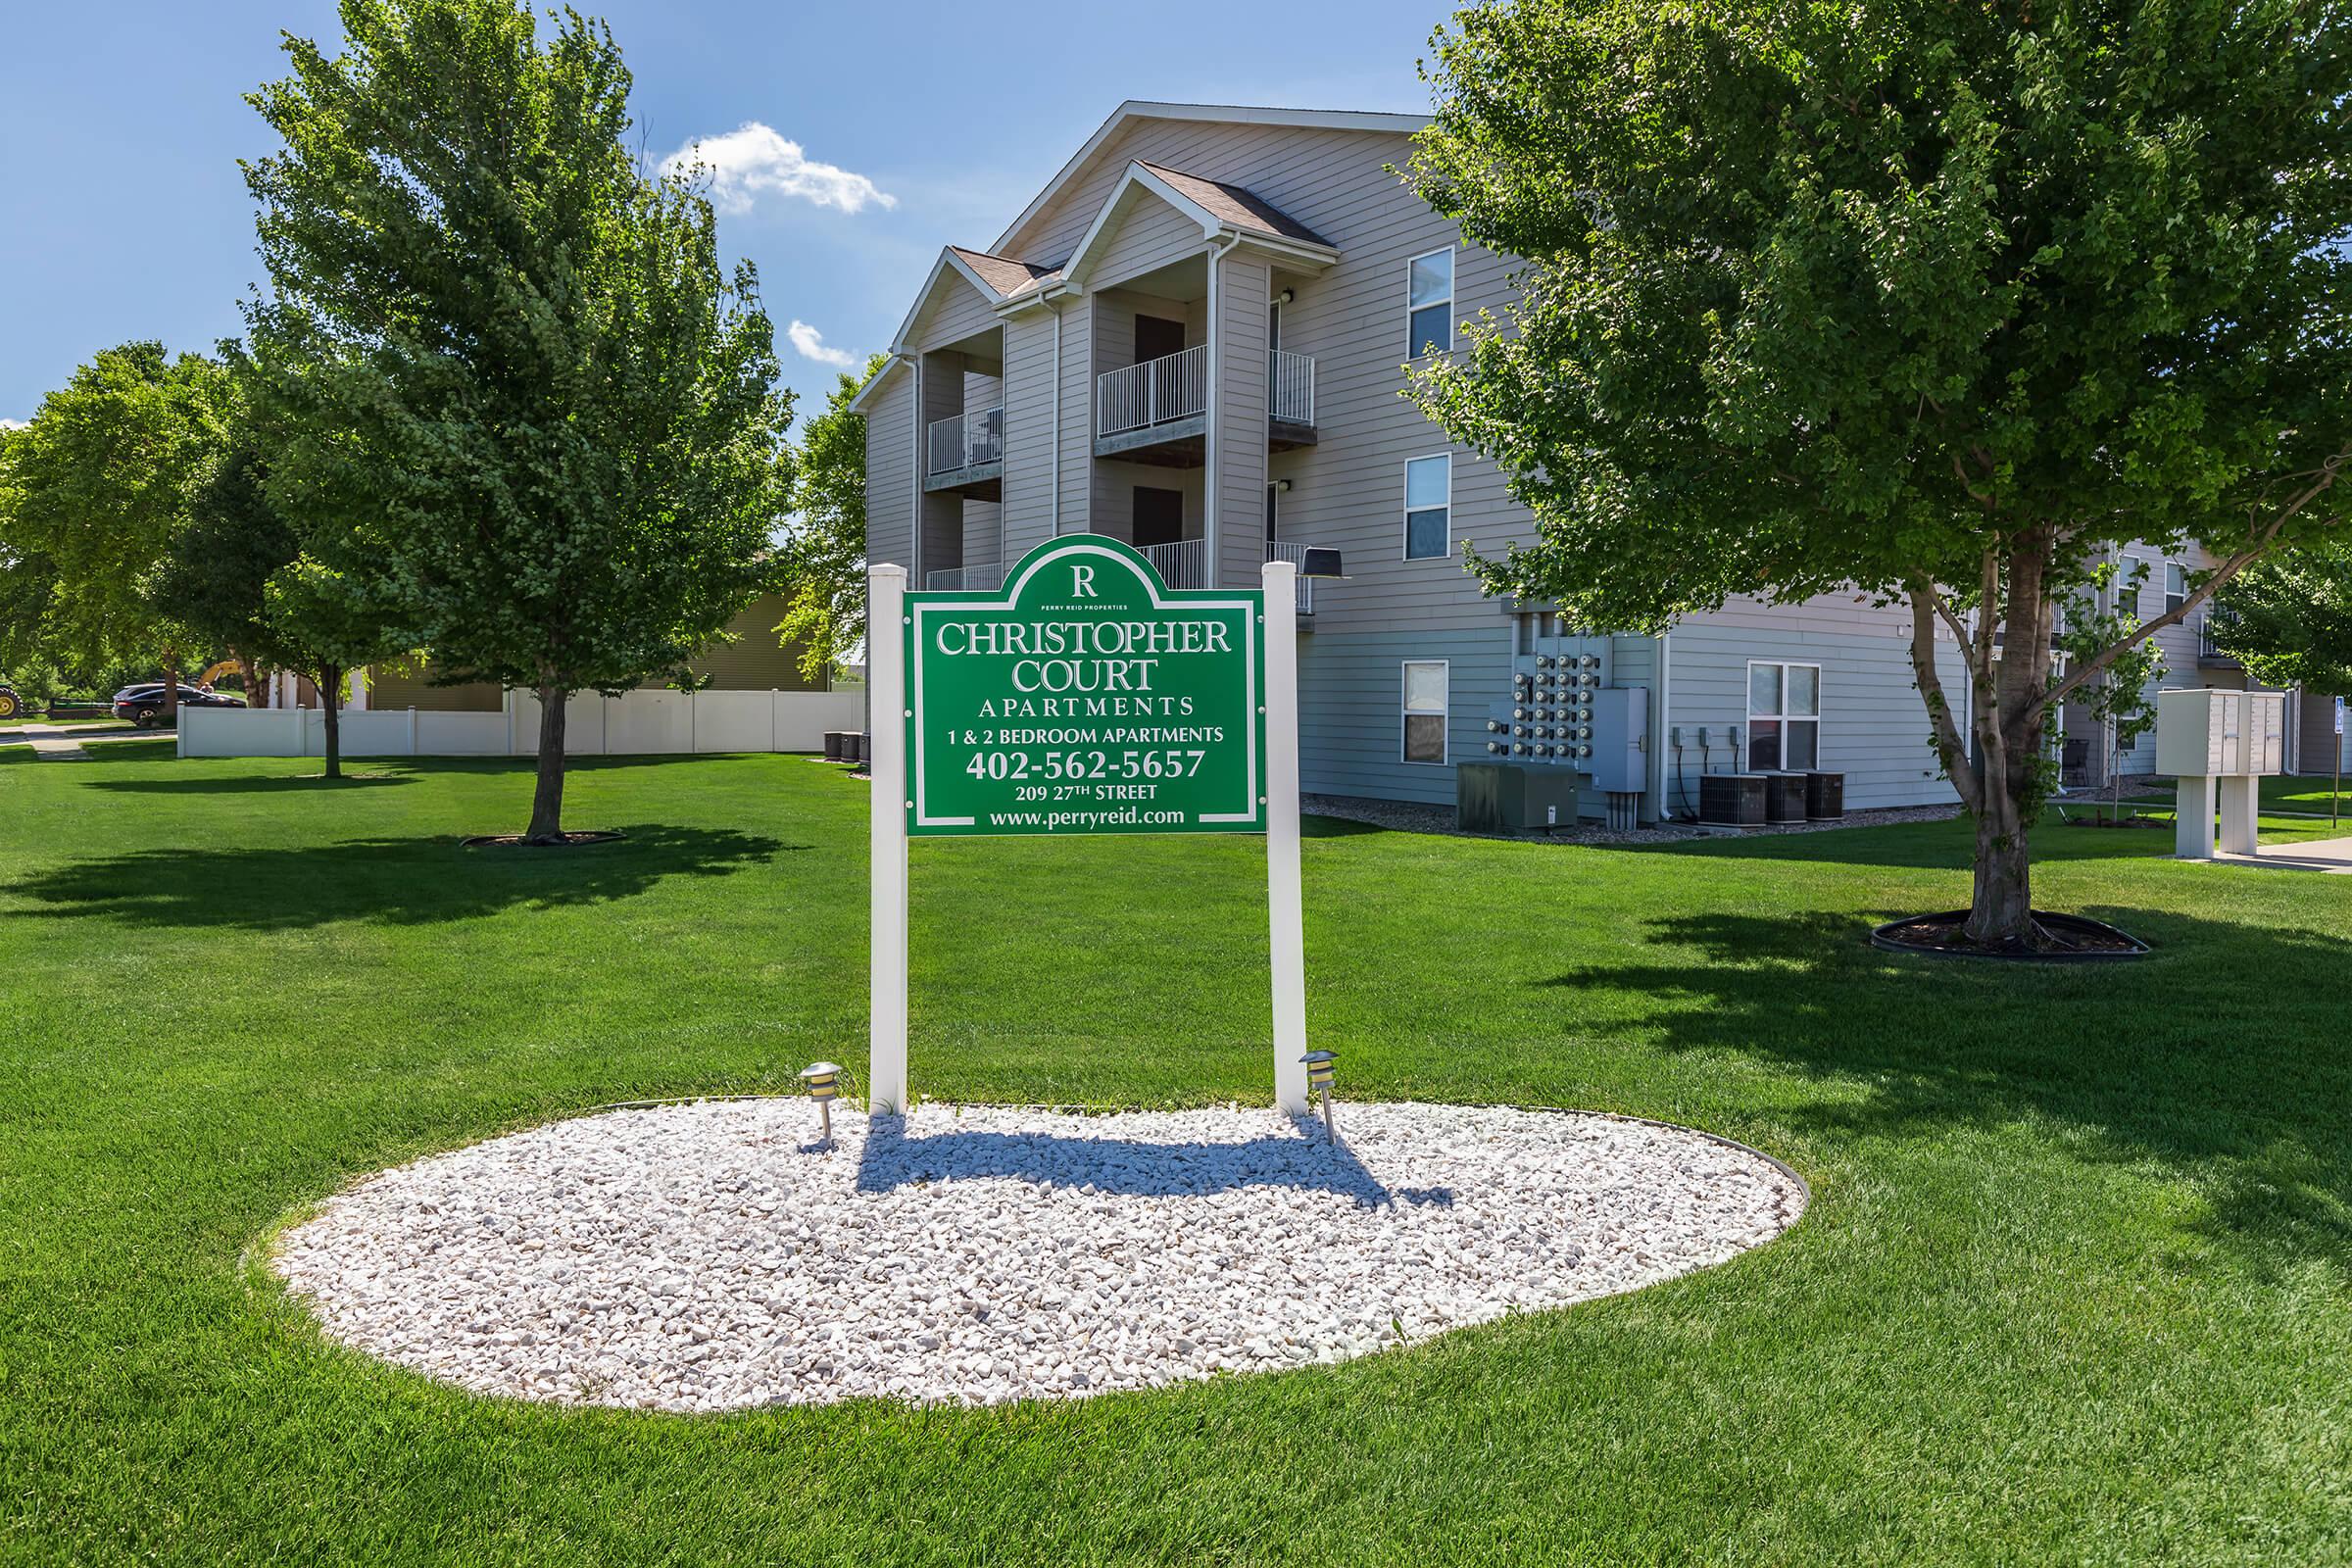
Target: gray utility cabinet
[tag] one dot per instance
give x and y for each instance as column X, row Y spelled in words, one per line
column 1511, row 797
column 1620, row 762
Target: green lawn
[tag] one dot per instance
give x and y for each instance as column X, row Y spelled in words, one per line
column 2076, row 1285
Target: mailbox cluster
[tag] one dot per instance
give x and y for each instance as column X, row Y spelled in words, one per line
column 1550, row 714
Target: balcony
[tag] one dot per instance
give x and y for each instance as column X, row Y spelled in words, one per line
column 1185, row 565
column 966, row 455
column 1181, row 564
column 1156, row 411
column 986, row 580
column 1296, row 555
column 2211, row 653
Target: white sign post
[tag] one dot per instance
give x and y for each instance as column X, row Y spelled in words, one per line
column 886, row 764
column 893, row 798
column 1284, row 905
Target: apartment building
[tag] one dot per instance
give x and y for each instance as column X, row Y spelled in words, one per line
column 1195, row 340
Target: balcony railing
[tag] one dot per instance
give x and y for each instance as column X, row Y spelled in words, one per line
column 985, row 580
column 2209, row 649
column 1290, row 387
column 1174, row 386
column 967, row 440
column 1181, row 564
column 1296, row 555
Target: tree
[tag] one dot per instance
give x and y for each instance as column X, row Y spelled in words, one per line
column 824, row 545
column 238, row 575
column 1943, row 303
column 512, row 372
column 2289, row 619
column 97, row 488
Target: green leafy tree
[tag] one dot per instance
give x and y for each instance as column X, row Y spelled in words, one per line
column 237, row 574
column 515, row 377
column 97, row 488
column 1940, row 302
column 2289, row 619
column 824, row 544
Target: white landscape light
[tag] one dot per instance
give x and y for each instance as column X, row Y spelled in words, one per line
column 1321, row 1067
column 823, row 1078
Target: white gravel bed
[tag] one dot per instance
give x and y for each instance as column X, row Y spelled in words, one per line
column 706, row 1257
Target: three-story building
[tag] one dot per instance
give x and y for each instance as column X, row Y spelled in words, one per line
column 1196, row 340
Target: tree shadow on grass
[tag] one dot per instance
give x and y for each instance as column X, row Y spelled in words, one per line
column 403, row 881
column 2223, row 1056
column 296, row 783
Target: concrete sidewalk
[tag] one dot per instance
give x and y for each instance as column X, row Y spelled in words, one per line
column 2333, row 855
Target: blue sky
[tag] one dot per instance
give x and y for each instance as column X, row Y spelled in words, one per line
column 123, row 214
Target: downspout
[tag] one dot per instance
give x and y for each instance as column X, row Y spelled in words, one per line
column 1055, row 510
column 1665, row 723
column 1213, row 575
column 915, row 459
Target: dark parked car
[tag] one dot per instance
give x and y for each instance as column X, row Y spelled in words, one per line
column 143, row 703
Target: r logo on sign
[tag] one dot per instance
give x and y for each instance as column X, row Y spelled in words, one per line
column 1082, row 582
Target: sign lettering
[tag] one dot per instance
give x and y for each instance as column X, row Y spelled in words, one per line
column 1086, row 697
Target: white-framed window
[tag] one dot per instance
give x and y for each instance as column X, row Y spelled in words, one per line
column 2176, row 585
column 1424, row 703
column 1429, row 304
column 1429, row 506
column 1784, row 716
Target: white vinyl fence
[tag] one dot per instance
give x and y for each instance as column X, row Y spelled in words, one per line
column 646, row 723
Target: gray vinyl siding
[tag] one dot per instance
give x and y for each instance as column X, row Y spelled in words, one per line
column 1150, row 235
column 1873, row 727
column 2320, row 750
column 889, row 473
column 1238, row 420
column 1028, row 432
column 1352, row 710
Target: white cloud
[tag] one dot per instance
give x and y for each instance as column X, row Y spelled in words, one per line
column 811, row 344
column 16, row 425
column 755, row 160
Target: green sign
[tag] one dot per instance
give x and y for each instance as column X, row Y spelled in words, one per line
column 1087, row 696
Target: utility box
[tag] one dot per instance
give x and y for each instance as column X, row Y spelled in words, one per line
column 2218, row 745
column 1620, row 761
column 1510, row 798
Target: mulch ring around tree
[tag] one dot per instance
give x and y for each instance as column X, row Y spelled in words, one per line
column 487, row 841
column 2066, row 939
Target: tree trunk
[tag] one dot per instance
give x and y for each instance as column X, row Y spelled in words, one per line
column 2001, row 907
column 547, row 800
column 251, row 673
column 171, row 689
column 330, row 703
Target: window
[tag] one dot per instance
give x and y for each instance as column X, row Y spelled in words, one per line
column 2176, row 585
column 1784, row 717
column 1428, row 498
column 1425, row 682
column 1429, row 304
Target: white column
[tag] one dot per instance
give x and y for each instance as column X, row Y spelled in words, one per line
column 2242, row 825
column 1284, row 905
column 886, row 762
column 2193, row 816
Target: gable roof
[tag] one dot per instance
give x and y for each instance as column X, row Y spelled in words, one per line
column 1000, row 274
column 1135, row 109
column 1217, row 209
column 1235, row 206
